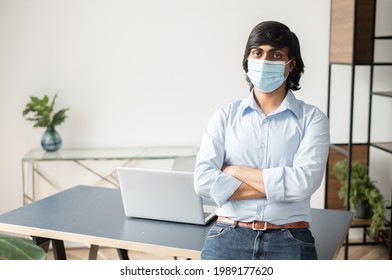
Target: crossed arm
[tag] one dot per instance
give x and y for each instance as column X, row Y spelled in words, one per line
column 252, row 185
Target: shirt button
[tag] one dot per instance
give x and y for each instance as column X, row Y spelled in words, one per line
column 263, row 145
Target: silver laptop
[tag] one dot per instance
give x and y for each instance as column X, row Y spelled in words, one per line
column 162, row 195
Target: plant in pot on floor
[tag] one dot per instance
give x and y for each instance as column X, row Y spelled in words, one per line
column 19, row 248
column 41, row 110
column 365, row 198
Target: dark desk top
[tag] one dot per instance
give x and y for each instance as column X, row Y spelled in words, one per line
column 94, row 215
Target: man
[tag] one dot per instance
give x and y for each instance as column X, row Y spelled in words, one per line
column 261, row 158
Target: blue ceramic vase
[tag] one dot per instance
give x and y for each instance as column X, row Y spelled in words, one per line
column 51, row 140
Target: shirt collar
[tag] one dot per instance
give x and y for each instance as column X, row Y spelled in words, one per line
column 289, row 103
column 250, row 104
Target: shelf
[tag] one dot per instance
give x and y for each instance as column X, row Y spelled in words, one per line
column 342, row 148
column 360, row 222
column 381, row 64
column 383, row 93
column 383, row 38
column 356, row 223
column 385, row 146
column 338, row 149
column 361, row 63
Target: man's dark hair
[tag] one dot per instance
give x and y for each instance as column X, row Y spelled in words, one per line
column 279, row 36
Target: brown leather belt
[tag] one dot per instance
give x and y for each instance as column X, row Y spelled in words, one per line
column 258, row 225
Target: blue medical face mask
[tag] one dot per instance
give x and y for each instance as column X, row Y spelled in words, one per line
column 266, row 75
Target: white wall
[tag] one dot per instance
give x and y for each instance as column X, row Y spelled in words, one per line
column 137, row 73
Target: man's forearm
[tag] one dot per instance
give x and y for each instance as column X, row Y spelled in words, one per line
column 245, row 191
column 252, row 177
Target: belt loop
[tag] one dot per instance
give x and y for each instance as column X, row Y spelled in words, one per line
column 235, row 224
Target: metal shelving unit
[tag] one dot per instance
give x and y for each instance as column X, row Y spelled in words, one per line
column 353, row 44
column 385, row 237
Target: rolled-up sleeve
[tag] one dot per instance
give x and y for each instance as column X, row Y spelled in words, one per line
column 209, row 181
column 303, row 178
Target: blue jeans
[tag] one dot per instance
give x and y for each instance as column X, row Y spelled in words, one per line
column 229, row 242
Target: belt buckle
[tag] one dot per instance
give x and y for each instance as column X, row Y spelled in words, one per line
column 261, row 229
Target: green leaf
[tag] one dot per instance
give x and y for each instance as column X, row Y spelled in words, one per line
column 44, row 101
column 35, row 100
column 26, row 111
column 17, row 248
column 53, row 101
column 59, row 117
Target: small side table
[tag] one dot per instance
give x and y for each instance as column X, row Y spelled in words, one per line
column 30, row 167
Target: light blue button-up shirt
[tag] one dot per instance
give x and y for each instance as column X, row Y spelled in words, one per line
column 290, row 145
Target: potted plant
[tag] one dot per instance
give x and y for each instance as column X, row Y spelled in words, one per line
column 362, row 191
column 18, row 248
column 41, row 110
